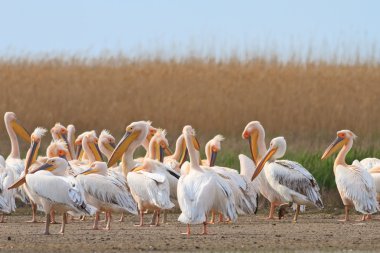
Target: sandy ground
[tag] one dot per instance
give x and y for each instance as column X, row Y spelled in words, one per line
column 314, row 232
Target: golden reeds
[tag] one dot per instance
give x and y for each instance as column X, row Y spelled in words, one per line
column 302, row 101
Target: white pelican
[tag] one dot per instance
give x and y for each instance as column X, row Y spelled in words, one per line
column 148, row 184
column 290, row 179
column 201, row 190
column 255, row 134
column 53, row 190
column 31, row 163
column 243, row 189
column 105, row 193
column 14, row 161
column 157, row 146
column 355, row 185
column 7, row 196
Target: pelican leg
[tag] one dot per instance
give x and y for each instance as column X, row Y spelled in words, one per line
column 346, row 211
column 204, row 232
column 52, row 217
column 96, row 221
column 64, row 221
column 271, row 211
column 154, row 217
column 187, row 231
column 157, row 220
column 165, row 217
column 34, row 210
column 212, row 221
column 83, row 218
column 47, row 224
column 368, row 217
column 141, row 219
column 108, row 217
column 297, row 213
column 121, row 218
column 221, row 218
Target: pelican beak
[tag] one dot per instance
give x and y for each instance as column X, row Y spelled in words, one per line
column 337, row 144
column 162, row 153
column 122, row 146
column 183, row 156
column 196, row 143
column 18, row 183
column 252, row 139
column 31, row 156
column 137, row 168
column 110, row 146
column 64, row 137
column 79, row 152
column 21, row 131
column 168, row 152
column 260, row 166
column 95, row 150
column 88, row 171
column 213, row 158
column 45, row 166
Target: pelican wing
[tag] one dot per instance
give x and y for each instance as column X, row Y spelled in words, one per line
column 356, row 184
column 368, row 163
column 109, row 190
column 59, row 190
column 151, row 187
column 295, row 177
column 247, row 166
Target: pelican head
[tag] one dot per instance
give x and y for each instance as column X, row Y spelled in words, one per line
column 78, row 143
column 277, row 149
column 96, row 168
column 134, row 135
column 56, row 165
column 251, row 132
column 58, row 131
column 11, row 120
column 107, row 140
column 35, row 138
column 158, row 144
column 57, row 148
column 91, row 141
column 189, row 131
column 213, row 147
column 343, row 137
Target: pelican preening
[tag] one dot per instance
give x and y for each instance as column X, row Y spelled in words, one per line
column 73, row 179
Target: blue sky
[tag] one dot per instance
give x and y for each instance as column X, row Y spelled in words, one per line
column 169, row 28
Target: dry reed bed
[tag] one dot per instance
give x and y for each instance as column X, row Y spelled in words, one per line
column 305, row 102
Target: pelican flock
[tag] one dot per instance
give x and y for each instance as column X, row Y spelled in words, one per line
column 86, row 175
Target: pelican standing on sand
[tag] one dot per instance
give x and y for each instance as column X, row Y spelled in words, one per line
column 355, row 185
column 290, row 179
column 14, row 161
column 148, row 184
column 255, row 134
column 201, row 190
column 105, row 193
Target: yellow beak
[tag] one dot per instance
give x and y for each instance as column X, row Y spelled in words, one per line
column 337, row 144
column 122, row 146
column 252, row 139
column 260, row 166
column 21, row 131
